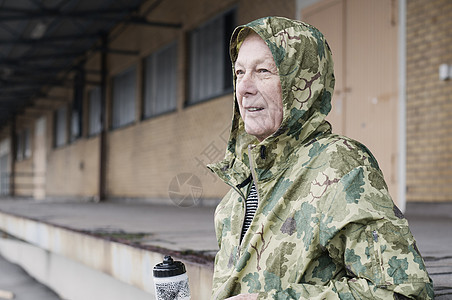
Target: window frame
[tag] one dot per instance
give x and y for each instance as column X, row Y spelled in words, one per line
column 19, row 146
column 115, row 113
column 27, row 143
column 229, row 19
column 60, row 112
column 76, row 124
column 150, row 84
column 76, row 112
column 23, row 144
column 94, row 95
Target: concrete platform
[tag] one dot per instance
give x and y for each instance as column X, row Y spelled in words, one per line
column 116, row 233
column 183, row 229
column 25, row 287
column 123, row 241
column 431, row 225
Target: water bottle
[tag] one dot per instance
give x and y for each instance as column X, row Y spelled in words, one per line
column 171, row 280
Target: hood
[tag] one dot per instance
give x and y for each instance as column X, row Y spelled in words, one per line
column 305, row 67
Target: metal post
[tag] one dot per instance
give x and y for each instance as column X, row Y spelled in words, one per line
column 401, row 199
column 103, row 119
column 12, row 156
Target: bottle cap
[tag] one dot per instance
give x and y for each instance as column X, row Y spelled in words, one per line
column 169, row 268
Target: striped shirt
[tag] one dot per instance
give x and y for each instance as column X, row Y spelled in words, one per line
column 251, row 206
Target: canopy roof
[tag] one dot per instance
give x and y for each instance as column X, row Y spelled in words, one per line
column 42, row 43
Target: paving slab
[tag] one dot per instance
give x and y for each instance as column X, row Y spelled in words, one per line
column 431, row 225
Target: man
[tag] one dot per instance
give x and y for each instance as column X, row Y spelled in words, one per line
column 308, row 215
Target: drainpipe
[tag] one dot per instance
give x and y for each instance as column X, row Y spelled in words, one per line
column 103, row 119
column 402, row 107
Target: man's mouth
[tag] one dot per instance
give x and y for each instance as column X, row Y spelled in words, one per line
column 253, row 109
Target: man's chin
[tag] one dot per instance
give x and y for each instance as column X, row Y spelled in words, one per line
column 256, row 133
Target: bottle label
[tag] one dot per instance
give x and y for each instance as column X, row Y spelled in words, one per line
column 172, row 290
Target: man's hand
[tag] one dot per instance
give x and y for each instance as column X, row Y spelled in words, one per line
column 244, row 297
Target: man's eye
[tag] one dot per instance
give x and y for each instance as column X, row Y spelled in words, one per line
column 239, row 72
column 263, row 70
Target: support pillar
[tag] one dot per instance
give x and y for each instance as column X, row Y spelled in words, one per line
column 103, row 119
column 13, row 145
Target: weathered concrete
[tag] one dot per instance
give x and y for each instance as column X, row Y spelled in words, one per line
column 68, row 278
column 22, row 285
column 431, row 225
column 166, row 226
column 125, row 240
column 92, row 235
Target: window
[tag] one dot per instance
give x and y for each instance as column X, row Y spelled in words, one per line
column 4, row 175
column 94, row 98
column 77, row 106
column 76, row 125
column 124, row 91
column 60, row 130
column 23, row 144
column 210, row 67
column 19, row 147
column 76, row 120
column 160, row 81
column 27, row 143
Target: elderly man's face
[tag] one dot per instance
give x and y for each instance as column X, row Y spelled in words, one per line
column 258, row 89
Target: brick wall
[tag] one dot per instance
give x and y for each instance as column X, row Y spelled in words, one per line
column 23, row 179
column 24, row 171
column 143, row 159
column 72, row 170
column 429, row 101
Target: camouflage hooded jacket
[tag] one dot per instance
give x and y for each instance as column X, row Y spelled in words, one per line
column 325, row 226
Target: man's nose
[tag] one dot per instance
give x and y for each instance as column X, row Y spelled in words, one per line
column 246, row 85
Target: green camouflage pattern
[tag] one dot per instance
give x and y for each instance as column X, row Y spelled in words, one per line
column 325, row 227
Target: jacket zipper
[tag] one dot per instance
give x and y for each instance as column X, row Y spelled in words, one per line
column 220, row 289
column 253, row 172
column 253, row 176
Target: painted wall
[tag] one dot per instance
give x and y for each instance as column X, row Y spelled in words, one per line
column 363, row 39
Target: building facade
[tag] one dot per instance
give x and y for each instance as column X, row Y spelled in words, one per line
column 164, row 108
column 429, row 101
column 167, row 110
